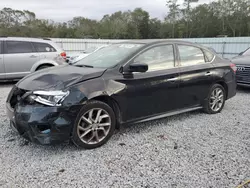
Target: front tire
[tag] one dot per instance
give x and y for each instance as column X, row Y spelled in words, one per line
column 94, row 125
column 216, row 99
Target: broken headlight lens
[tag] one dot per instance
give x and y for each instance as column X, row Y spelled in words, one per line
column 50, row 98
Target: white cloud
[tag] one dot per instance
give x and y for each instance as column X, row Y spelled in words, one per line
column 59, row 10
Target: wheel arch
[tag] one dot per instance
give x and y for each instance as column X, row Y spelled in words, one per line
column 42, row 63
column 224, row 85
column 45, row 64
column 114, row 105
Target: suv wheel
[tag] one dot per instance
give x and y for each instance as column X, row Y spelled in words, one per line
column 216, row 99
column 94, row 126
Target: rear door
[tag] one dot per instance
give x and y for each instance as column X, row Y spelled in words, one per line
column 45, row 50
column 2, row 68
column 19, row 57
column 196, row 75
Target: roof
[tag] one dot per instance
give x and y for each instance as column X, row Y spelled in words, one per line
column 25, row 39
column 150, row 41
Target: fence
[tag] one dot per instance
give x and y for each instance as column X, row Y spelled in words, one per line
column 226, row 47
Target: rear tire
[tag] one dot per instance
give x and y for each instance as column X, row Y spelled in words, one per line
column 94, row 125
column 215, row 100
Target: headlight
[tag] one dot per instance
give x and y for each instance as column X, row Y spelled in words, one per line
column 50, row 98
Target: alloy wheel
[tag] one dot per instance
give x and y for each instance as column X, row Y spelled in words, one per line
column 94, row 126
column 216, row 99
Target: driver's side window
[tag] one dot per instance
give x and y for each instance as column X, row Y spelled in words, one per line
column 157, row 58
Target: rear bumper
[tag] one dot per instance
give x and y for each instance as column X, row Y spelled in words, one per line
column 42, row 124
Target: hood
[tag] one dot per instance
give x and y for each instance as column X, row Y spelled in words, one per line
column 241, row 60
column 58, row 77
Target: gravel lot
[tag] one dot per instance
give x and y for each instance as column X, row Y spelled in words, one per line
column 187, row 150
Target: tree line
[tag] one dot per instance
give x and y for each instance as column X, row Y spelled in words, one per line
column 187, row 20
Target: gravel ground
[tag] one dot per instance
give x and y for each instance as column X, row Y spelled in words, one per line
column 187, row 150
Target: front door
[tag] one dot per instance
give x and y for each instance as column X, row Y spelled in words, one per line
column 19, row 57
column 155, row 91
column 196, row 76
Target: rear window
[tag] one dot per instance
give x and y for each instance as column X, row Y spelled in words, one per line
column 43, row 47
column 209, row 55
column 190, row 55
column 14, row 47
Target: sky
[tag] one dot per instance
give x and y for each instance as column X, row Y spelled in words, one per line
column 64, row 10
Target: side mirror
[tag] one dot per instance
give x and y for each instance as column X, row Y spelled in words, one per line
column 138, row 67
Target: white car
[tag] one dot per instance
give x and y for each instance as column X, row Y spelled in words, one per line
column 21, row 56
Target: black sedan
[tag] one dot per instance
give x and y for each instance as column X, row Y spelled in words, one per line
column 123, row 83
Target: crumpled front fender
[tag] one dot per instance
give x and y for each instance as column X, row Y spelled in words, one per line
column 87, row 90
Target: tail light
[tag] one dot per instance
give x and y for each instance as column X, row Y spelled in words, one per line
column 63, row 54
column 233, row 67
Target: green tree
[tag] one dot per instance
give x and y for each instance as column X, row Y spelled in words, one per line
column 221, row 17
column 173, row 15
column 140, row 19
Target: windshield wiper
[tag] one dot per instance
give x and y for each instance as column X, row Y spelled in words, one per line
column 89, row 66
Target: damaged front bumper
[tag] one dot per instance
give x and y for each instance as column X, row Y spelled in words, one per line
column 42, row 124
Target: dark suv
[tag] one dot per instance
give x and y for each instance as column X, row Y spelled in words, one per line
column 243, row 68
column 129, row 82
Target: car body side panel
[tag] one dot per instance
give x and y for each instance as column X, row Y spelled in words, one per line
column 18, row 65
column 195, row 84
column 147, row 94
column 49, row 55
column 135, row 97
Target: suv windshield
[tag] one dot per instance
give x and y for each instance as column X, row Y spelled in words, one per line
column 108, row 56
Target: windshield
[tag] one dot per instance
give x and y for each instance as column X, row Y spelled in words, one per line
column 109, row 56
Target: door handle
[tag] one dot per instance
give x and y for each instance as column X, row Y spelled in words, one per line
column 33, row 56
column 208, row 74
column 172, row 79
